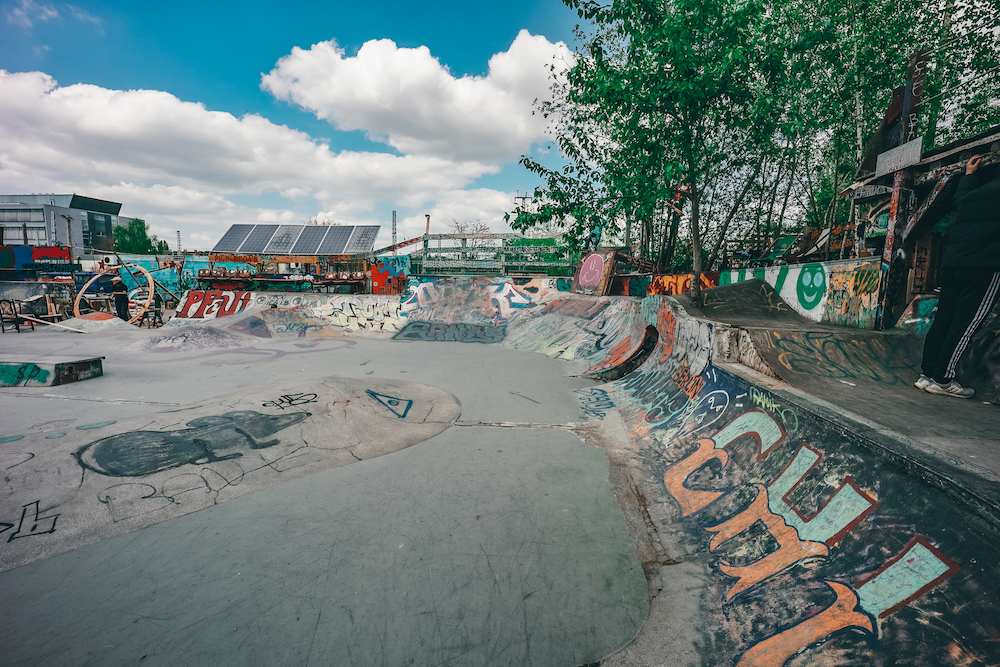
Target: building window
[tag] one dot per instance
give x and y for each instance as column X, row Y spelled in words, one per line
column 12, row 235
column 22, row 215
column 36, row 236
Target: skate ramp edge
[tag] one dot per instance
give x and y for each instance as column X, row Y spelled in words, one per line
column 828, row 540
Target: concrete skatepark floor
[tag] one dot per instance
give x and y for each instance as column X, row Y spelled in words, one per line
column 481, row 545
column 751, row 474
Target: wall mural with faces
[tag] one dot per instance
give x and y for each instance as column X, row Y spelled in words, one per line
column 841, row 292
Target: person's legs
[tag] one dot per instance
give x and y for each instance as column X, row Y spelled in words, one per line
column 933, row 364
column 975, row 299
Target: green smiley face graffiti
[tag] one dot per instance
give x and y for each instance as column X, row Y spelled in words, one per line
column 811, row 286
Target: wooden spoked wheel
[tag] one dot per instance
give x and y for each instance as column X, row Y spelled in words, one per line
column 149, row 297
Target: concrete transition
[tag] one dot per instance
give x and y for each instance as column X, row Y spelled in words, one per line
column 782, row 482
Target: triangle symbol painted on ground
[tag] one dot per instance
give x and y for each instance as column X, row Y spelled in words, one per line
column 398, row 406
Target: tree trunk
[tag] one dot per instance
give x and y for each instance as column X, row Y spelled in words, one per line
column 696, row 299
column 732, row 215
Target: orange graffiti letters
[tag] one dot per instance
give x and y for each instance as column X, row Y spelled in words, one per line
column 842, row 614
column 692, row 500
column 791, row 549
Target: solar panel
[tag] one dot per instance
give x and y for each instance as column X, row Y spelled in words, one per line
column 363, row 240
column 283, row 239
column 258, row 238
column 309, row 241
column 335, row 241
column 231, row 240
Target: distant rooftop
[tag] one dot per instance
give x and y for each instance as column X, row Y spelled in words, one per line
column 298, row 240
column 66, row 201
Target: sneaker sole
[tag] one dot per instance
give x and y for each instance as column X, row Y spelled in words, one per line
column 932, row 389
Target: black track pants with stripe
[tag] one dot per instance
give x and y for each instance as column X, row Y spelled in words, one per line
column 967, row 296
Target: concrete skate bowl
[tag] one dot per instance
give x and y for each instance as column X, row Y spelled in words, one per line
column 826, row 544
column 603, row 338
column 823, row 542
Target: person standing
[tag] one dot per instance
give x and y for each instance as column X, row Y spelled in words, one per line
column 970, row 281
column 120, row 293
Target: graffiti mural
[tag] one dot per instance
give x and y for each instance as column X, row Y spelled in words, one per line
column 207, row 304
column 840, row 292
column 389, row 274
column 461, row 333
column 593, row 275
column 679, row 283
column 852, row 294
column 371, row 314
column 207, row 440
column 595, row 402
column 472, row 301
column 813, row 510
column 78, row 485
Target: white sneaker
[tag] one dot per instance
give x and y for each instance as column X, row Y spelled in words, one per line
column 922, row 382
column 953, row 388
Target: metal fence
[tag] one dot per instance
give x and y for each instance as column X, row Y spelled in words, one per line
column 492, row 254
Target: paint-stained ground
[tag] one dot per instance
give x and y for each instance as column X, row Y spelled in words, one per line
column 498, row 541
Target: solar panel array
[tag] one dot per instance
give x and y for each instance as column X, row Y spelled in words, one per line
column 233, row 239
column 362, row 240
column 298, row 239
column 309, row 240
column 335, row 241
column 258, row 239
column 283, row 239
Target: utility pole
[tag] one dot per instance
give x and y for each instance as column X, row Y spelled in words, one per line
column 69, row 242
column 394, row 233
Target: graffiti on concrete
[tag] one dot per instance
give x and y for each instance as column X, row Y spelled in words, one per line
column 371, row 313
column 852, row 295
column 294, row 322
column 472, row 301
column 461, row 333
column 22, row 374
column 290, row 400
column 582, row 308
column 31, row 524
column 877, row 358
column 679, row 283
column 209, row 439
column 594, row 273
column 278, row 300
column 398, row 406
column 207, row 304
column 595, row 401
column 769, row 535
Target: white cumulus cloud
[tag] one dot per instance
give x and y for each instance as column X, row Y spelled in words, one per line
column 408, row 99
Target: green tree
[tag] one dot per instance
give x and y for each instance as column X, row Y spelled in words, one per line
column 135, row 239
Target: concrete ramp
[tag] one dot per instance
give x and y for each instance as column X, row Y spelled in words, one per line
column 825, row 538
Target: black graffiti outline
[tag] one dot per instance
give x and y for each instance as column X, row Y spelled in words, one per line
column 291, row 400
column 17, row 534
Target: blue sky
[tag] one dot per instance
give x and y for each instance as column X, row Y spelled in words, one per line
column 365, row 107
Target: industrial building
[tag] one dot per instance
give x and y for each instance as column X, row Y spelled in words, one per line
column 84, row 223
